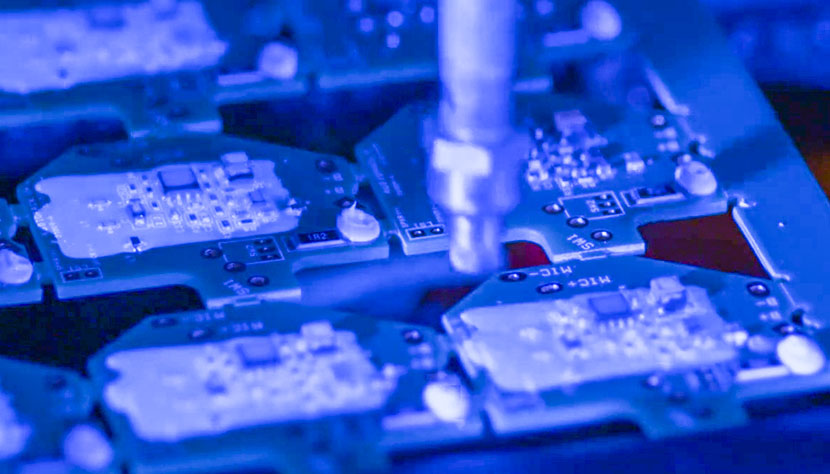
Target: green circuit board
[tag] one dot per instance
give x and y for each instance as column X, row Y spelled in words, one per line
column 591, row 175
column 232, row 218
column 277, row 386
column 668, row 347
column 45, row 421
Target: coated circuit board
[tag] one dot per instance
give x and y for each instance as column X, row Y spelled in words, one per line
column 277, row 386
column 591, row 174
column 620, row 129
column 232, row 218
column 46, row 424
column 358, row 43
column 668, row 347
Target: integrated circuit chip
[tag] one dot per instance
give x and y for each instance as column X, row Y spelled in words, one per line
column 177, row 178
column 610, row 306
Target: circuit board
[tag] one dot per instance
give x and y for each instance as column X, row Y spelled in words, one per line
column 277, row 386
column 591, row 175
column 669, row 347
column 231, row 218
column 358, row 43
column 45, row 421
column 308, row 337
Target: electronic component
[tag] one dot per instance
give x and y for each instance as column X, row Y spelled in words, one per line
column 177, row 178
column 800, row 354
column 219, row 214
column 240, row 388
column 66, row 47
column 15, row 269
column 652, row 195
column 86, row 447
column 580, row 343
column 278, row 61
column 696, row 178
column 357, row 225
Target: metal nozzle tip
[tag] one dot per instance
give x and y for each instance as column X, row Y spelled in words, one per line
column 475, row 244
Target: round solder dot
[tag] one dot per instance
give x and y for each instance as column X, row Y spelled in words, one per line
column 413, row 336
column 659, row 121
column 512, row 276
column 211, row 252
column 200, row 333
column 785, row 329
column 653, row 381
column 757, row 289
column 578, row 221
column 344, row 202
column 601, row 235
column 325, row 166
column 164, row 322
column 548, row 288
column 258, row 280
column 553, row 208
column 234, row 267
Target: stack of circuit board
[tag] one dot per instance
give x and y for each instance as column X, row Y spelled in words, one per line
column 311, row 346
